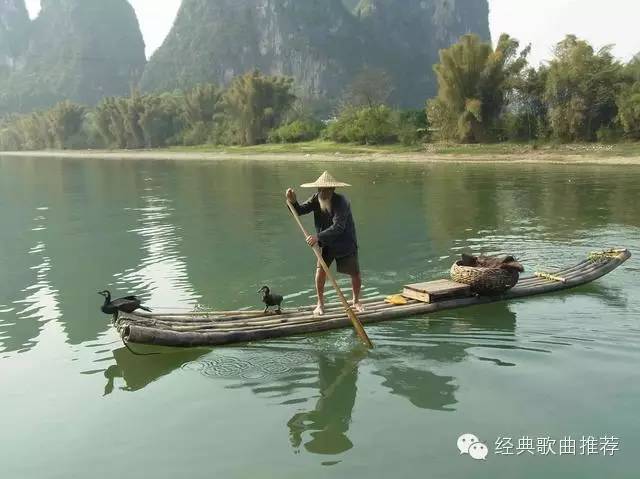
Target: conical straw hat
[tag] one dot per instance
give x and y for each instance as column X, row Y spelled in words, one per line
column 325, row 181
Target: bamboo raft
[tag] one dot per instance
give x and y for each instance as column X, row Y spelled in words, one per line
column 214, row 328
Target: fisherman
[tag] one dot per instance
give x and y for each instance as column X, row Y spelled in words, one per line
column 336, row 234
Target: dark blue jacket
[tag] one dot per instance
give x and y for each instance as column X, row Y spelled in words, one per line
column 336, row 230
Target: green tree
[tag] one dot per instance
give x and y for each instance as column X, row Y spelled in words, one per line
column 118, row 121
column 110, row 123
column 581, row 89
column 527, row 115
column 473, row 82
column 161, row 120
column 35, row 132
column 202, row 103
column 65, row 121
column 102, row 121
column 131, row 109
column 632, row 69
column 255, row 104
column 628, row 103
column 367, row 126
column 202, row 107
column 10, row 139
column 412, row 126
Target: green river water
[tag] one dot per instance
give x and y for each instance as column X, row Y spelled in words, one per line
column 75, row 403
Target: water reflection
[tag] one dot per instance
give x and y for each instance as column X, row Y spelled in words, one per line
column 319, row 377
column 411, row 350
column 323, row 430
column 407, row 356
column 87, row 238
column 162, row 273
column 611, row 296
column 40, row 301
column 137, row 372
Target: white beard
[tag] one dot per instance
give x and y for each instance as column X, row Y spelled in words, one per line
column 325, row 205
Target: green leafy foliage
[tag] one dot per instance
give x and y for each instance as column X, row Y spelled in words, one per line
column 203, row 107
column 255, row 104
column 628, row 103
column 412, row 127
column 526, row 117
column 244, row 114
column 365, row 126
column 473, row 81
column 484, row 94
column 140, row 121
column 296, row 131
column 632, row 70
column 378, row 125
column 60, row 127
column 65, row 121
column 581, row 89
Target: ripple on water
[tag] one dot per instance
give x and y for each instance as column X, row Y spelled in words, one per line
column 226, row 366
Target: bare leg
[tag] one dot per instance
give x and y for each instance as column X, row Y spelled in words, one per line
column 321, row 278
column 356, row 285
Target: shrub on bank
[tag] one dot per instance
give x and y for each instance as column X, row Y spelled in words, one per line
column 296, row 131
column 378, row 125
column 413, row 127
column 365, row 126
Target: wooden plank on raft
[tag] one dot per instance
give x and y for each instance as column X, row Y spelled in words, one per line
column 433, row 291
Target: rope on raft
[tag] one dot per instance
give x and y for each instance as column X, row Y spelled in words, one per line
column 607, row 254
column 126, row 345
column 135, row 353
column 551, row 277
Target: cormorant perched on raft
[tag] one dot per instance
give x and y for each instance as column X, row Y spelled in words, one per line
column 270, row 299
column 127, row 304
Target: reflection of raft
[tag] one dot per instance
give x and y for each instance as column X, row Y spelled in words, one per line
column 215, row 328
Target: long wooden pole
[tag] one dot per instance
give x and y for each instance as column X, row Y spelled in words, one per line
column 362, row 334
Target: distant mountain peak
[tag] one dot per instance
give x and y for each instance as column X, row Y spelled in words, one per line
column 84, row 50
column 322, row 44
column 14, row 28
column 81, row 50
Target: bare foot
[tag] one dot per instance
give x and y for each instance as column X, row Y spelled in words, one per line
column 358, row 307
column 319, row 311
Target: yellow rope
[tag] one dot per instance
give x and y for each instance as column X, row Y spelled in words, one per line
column 550, row 277
column 612, row 253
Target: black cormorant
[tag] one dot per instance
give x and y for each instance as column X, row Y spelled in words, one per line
column 127, row 304
column 270, row 299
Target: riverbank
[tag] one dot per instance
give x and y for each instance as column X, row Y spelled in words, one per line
column 619, row 154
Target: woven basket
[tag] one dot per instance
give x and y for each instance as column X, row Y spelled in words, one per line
column 485, row 280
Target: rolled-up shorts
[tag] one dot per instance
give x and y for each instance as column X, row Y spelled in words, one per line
column 345, row 265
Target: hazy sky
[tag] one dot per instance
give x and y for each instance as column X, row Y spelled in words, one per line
column 541, row 23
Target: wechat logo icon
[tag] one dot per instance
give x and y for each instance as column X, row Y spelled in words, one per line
column 470, row 444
